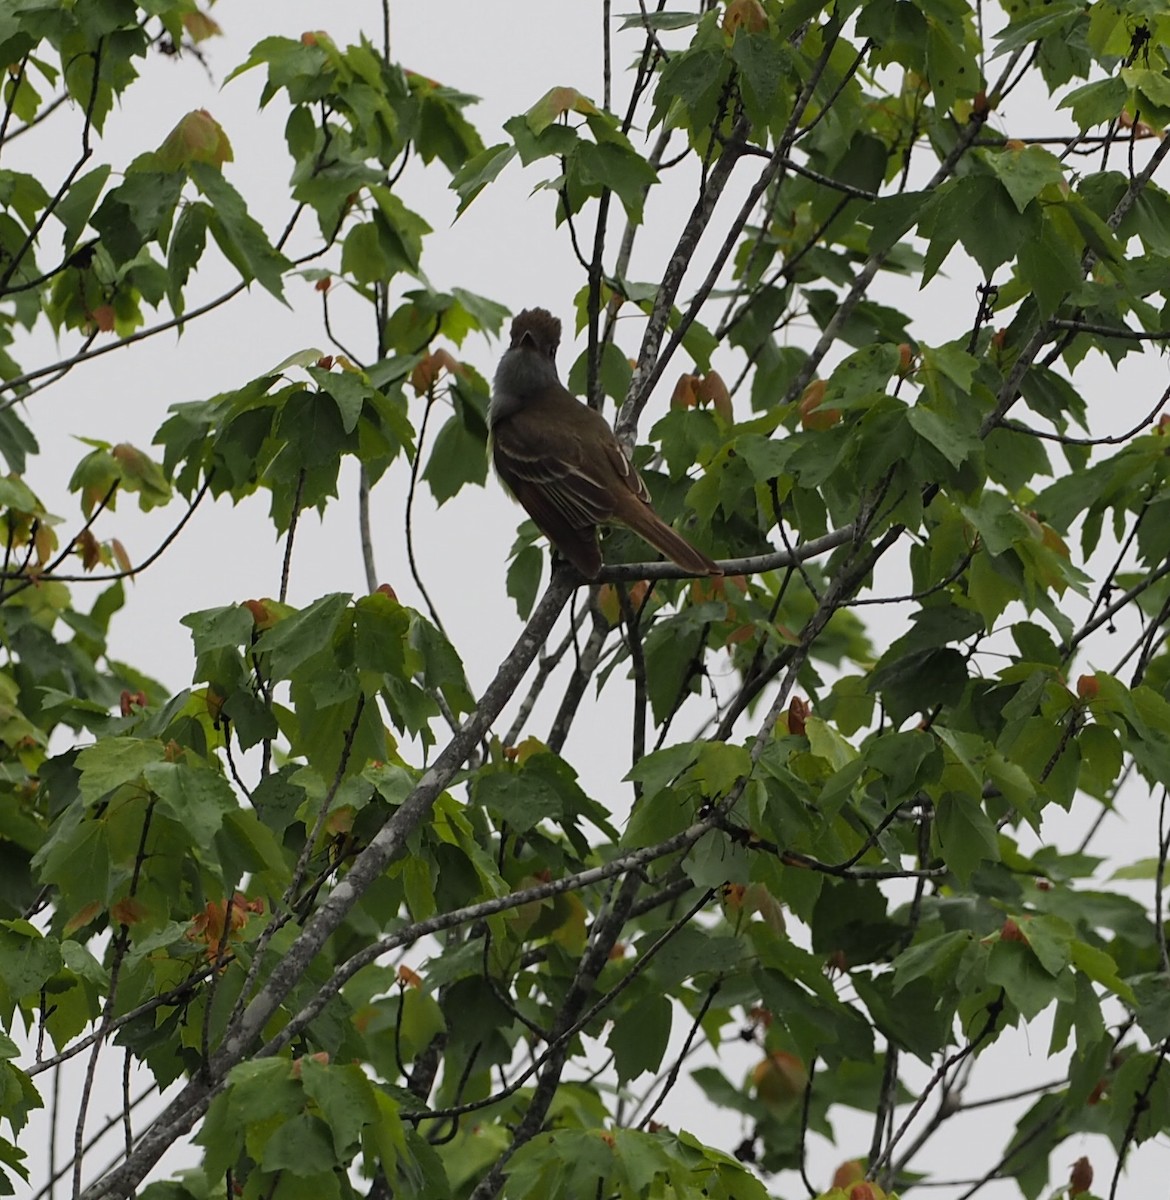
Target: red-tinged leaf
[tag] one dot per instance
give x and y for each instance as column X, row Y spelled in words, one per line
column 425, row 375
column 849, row 1172
column 82, row 917
column 554, row 104
column 1080, row 1177
column 198, row 137
column 262, row 615
column 409, row 978
column 127, row 911
column 120, row 555
column 88, row 549
column 103, row 318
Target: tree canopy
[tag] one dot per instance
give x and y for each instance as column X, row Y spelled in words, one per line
column 356, row 927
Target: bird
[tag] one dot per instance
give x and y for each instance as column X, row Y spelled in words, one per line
column 560, row 459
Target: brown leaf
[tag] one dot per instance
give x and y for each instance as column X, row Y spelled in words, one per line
column 89, row 550
column 120, row 555
column 712, row 390
column 684, row 394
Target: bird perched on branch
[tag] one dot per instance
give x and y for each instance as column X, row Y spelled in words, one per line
column 561, row 460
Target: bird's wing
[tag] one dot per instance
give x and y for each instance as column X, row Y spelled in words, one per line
column 569, row 482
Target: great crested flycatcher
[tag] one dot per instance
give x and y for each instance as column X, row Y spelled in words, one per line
column 561, row 460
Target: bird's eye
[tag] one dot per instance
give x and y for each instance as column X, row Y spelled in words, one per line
column 552, row 351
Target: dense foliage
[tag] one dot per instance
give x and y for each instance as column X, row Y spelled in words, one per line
column 224, row 886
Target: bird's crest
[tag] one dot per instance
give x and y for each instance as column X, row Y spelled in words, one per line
column 538, row 324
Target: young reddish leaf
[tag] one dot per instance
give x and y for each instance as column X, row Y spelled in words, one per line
column 198, row 137
column 1080, row 1178
column 128, row 911
column 102, row 317
column 849, row 1172
column 88, row 549
column 424, row 376
column 120, row 555
column 866, row 1191
column 262, row 615
column 213, row 926
column 555, row 103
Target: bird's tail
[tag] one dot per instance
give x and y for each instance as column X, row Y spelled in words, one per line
column 646, row 523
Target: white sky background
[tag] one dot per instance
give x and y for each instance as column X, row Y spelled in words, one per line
column 507, row 248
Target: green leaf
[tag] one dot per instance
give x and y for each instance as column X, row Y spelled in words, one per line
column 1025, row 172
column 955, row 442
column 239, row 235
column 27, row 962
column 302, row 1146
column 619, row 168
column 966, row 834
column 113, row 761
column 479, row 171
column 640, row 1035
column 523, row 580
column 195, row 798
column 345, row 1098
column 78, row 203
column 458, row 457
column 1014, row 967
column 1096, row 103
column 381, row 626
column 298, row 637
column 521, row 797
column 764, row 62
